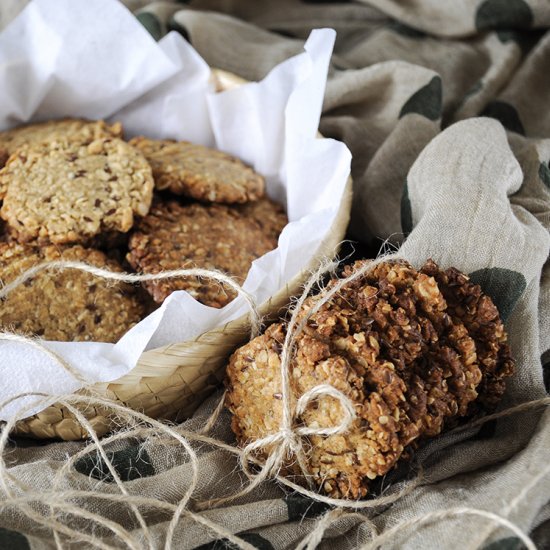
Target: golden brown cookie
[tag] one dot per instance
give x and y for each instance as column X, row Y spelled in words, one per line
column 199, row 172
column 214, row 236
column 70, row 191
column 67, row 128
column 66, row 305
column 269, row 215
column 414, row 351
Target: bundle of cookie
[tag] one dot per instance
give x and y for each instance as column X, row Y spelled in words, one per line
column 75, row 190
column 415, row 351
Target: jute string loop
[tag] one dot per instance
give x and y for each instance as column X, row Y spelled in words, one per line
column 284, row 444
column 132, row 278
column 287, row 441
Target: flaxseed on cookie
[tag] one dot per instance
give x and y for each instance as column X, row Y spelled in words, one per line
column 66, row 305
column 213, row 236
column 70, row 191
column 269, row 215
column 52, row 130
column 413, row 350
column 200, row 172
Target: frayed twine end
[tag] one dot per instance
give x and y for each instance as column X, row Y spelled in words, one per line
column 287, row 442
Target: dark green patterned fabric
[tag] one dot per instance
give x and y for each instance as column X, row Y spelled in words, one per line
column 503, row 285
column 13, row 540
column 445, row 106
column 129, row 463
column 425, row 102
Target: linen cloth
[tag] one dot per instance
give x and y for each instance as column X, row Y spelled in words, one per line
column 445, row 107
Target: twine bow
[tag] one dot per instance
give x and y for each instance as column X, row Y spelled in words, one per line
column 287, row 442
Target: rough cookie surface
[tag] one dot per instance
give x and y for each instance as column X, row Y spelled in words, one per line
column 269, row 215
column 214, row 236
column 467, row 303
column 200, row 172
column 70, row 191
column 66, row 305
column 415, row 351
column 67, row 128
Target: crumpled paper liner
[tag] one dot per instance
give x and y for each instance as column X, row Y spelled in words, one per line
column 165, row 90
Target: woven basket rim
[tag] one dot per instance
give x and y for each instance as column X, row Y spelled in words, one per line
column 160, row 383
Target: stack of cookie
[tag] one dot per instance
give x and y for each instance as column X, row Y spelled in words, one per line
column 75, row 190
column 232, row 226
column 416, row 351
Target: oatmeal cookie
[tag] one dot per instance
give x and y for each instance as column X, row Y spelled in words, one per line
column 70, row 191
column 269, row 215
column 200, row 172
column 213, row 236
column 52, row 130
column 66, row 305
column 399, row 344
column 467, row 303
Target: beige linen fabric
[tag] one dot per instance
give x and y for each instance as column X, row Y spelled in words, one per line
column 445, row 107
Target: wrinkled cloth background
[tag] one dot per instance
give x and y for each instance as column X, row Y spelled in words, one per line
column 445, row 106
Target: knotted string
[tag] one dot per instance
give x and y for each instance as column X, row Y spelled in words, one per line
column 283, row 445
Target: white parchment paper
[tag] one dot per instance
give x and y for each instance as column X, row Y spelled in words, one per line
column 94, row 59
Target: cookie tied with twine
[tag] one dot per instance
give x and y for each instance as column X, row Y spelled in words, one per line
column 379, row 362
column 25, row 499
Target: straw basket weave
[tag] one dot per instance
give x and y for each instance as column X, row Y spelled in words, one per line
column 170, row 382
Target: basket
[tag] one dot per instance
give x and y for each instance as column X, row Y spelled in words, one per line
column 171, row 382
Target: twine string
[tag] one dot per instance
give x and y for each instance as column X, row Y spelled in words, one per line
column 132, row 278
column 418, row 522
column 112, row 470
column 213, row 418
column 288, row 441
column 283, row 445
column 514, row 502
column 312, row 540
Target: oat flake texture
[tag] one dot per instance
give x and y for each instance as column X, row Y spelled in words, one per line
column 473, row 193
column 400, row 344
